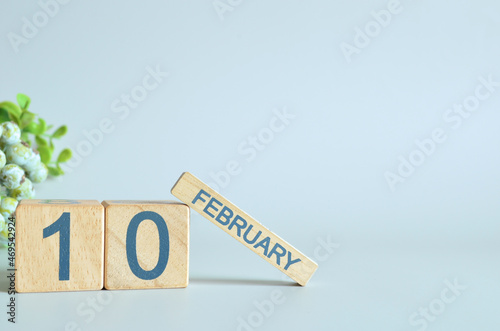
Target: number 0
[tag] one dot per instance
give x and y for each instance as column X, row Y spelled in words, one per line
column 62, row 225
column 131, row 243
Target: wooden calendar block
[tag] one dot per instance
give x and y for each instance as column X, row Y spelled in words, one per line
column 59, row 245
column 147, row 244
column 244, row 228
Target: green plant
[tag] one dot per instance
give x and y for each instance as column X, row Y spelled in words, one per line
column 26, row 150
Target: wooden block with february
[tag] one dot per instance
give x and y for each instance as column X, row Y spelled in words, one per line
column 59, row 245
column 147, row 244
column 244, row 228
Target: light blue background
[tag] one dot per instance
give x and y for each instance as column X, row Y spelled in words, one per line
column 323, row 175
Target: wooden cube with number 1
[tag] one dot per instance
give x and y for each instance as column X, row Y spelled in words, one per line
column 59, row 245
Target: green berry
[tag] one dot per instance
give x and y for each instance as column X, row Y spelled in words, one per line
column 19, row 153
column 12, row 176
column 3, row 159
column 11, row 133
column 3, row 191
column 33, row 161
column 8, row 207
column 25, row 191
column 38, row 174
column 3, row 224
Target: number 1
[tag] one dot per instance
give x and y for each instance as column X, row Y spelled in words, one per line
column 62, row 225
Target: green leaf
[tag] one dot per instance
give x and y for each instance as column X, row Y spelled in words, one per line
column 4, row 116
column 15, row 119
column 61, row 131
column 11, row 107
column 51, row 146
column 25, row 137
column 40, row 141
column 42, row 125
column 60, row 170
column 45, row 154
column 53, row 171
column 23, row 100
column 32, row 128
column 26, row 119
column 64, row 156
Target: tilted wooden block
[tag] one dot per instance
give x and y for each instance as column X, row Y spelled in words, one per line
column 59, row 245
column 244, row 228
column 147, row 244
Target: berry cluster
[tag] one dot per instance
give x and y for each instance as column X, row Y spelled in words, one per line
column 21, row 165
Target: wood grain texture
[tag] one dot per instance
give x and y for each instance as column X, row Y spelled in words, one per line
column 37, row 258
column 244, row 228
column 118, row 273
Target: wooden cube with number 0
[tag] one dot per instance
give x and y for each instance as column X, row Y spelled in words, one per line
column 146, row 244
column 59, row 245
